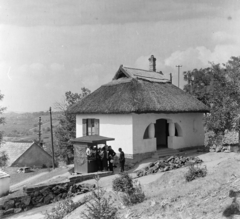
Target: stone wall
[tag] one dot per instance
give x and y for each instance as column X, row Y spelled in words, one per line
column 87, row 176
column 36, row 196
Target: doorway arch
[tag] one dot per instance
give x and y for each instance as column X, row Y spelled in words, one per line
column 161, row 133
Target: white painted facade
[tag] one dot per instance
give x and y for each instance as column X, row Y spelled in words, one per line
column 128, row 130
column 119, row 127
column 4, row 183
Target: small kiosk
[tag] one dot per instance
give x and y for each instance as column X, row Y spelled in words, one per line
column 82, row 162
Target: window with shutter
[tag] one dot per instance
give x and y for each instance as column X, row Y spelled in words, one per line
column 90, row 127
column 84, row 127
column 96, row 126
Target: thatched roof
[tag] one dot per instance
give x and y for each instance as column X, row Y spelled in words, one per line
column 138, row 91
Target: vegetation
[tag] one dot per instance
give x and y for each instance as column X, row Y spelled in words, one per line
column 195, row 171
column 132, row 191
column 62, row 209
column 66, row 128
column 100, row 205
column 3, row 159
column 2, row 119
column 219, row 88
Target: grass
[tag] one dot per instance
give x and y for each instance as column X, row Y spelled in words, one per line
column 172, row 197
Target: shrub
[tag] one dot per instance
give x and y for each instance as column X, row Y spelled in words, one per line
column 195, row 171
column 124, row 183
column 133, row 193
column 62, row 209
column 136, row 197
column 100, row 205
column 3, row 159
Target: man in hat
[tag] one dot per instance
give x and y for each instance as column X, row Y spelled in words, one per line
column 121, row 159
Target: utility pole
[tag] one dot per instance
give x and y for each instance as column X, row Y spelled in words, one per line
column 178, row 66
column 40, row 131
column 53, row 162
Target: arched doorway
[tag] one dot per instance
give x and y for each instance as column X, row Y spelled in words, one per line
column 161, row 133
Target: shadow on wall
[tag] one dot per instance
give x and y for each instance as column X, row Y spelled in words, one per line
column 150, row 133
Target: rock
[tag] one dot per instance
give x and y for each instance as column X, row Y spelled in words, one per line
column 64, row 195
column 212, row 150
column 170, row 159
column 17, row 210
column 152, row 203
column 166, row 168
column 227, row 151
column 219, row 148
column 9, row 211
column 35, row 193
column 213, row 147
column 48, row 198
column 151, row 165
column 26, row 200
column 45, row 191
column 9, row 204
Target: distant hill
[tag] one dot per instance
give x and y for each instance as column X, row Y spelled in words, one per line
column 24, row 126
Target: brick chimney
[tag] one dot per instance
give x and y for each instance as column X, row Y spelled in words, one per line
column 152, row 63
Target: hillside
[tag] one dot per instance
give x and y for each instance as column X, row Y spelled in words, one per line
column 24, row 126
column 170, row 196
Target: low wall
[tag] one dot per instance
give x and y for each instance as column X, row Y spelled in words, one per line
column 82, row 177
column 39, row 195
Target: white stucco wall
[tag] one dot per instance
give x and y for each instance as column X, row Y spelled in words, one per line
column 114, row 126
column 128, row 130
column 190, row 123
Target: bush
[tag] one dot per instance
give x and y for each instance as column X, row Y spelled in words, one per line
column 124, row 183
column 100, row 205
column 195, row 171
column 133, row 193
column 3, row 159
column 136, row 197
column 62, row 209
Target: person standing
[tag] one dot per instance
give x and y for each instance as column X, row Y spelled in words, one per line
column 99, row 159
column 121, row 159
column 111, row 154
column 105, row 159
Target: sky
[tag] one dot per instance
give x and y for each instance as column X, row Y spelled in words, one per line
column 49, row 47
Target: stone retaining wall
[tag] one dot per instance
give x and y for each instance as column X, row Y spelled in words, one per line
column 82, row 177
column 36, row 196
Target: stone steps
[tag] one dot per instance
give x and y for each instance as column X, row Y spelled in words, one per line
column 166, row 152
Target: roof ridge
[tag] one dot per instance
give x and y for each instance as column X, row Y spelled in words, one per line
column 139, row 69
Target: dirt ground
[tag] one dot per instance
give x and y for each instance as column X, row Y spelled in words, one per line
column 170, row 196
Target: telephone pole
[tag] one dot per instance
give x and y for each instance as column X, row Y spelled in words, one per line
column 40, row 132
column 53, row 162
column 178, row 66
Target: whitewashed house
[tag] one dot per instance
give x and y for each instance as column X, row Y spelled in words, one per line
column 143, row 111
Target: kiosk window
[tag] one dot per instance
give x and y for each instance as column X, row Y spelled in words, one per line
column 90, row 127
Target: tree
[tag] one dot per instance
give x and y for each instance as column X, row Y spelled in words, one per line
column 66, row 129
column 2, row 119
column 3, row 159
column 218, row 88
column 3, row 154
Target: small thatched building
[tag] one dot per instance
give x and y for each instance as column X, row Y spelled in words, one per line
column 143, row 111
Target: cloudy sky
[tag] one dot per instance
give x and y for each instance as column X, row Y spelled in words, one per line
column 48, row 47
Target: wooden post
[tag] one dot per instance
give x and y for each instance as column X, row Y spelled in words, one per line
column 53, row 162
column 238, row 124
